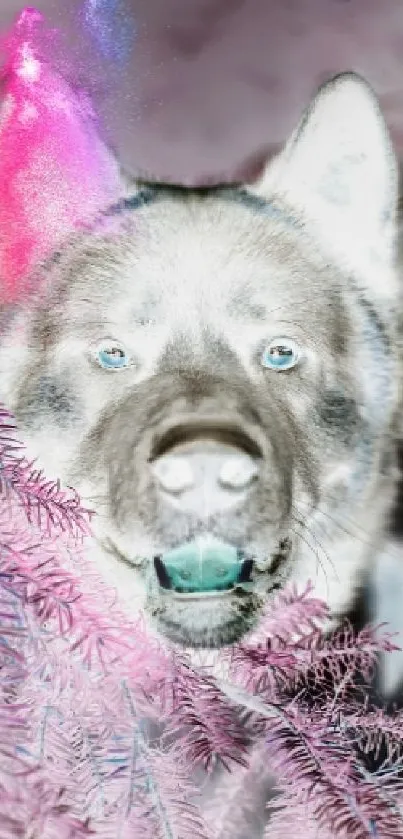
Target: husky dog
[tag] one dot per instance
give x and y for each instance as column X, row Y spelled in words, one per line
column 216, row 372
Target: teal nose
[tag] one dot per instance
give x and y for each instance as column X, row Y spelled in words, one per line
column 202, row 567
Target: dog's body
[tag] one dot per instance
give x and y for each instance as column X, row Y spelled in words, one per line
column 217, row 372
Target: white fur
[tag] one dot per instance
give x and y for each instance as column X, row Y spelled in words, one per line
column 339, row 170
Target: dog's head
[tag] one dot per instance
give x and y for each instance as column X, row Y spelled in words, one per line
column 214, row 369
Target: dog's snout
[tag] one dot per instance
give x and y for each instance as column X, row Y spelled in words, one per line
column 205, row 470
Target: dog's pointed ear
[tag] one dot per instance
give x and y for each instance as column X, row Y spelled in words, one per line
column 339, row 170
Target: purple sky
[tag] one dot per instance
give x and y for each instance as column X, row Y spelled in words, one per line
column 211, row 83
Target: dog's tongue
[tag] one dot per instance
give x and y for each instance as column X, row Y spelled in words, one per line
column 202, row 566
column 54, row 172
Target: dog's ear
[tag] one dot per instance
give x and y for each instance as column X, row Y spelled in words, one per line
column 339, row 171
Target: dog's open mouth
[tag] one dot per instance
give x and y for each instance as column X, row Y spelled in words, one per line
column 206, row 592
column 196, row 569
column 203, row 568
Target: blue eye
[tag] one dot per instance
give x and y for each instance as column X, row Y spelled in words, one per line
column 111, row 356
column 281, row 354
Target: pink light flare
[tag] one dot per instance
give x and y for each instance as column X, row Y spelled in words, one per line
column 55, row 173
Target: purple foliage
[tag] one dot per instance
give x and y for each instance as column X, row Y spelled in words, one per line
column 80, row 682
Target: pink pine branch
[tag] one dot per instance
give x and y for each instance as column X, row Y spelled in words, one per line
column 291, row 817
column 207, row 724
column 28, row 798
column 310, row 660
column 290, row 615
column 318, row 768
column 235, row 805
column 44, row 503
column 75, row 745
column 53, row 510
column 374, row 730
column 172, row 794
column 328, row 780
column 80, row 677
column 340, row 656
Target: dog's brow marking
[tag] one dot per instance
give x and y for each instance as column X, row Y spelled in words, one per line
column 158, row 192
column 142, row 198
column 261, row 205
column 242, row 306
column 152, row 193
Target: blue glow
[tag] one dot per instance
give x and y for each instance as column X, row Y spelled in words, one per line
column 111, row 26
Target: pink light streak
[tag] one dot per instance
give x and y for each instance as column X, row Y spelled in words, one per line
column 55, row 173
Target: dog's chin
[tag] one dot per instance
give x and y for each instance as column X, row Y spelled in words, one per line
column 209, row 619
column 207, row 639
column 208, row 622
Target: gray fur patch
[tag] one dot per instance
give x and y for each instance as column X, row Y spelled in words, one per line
column 340, row 414
column 48, row 395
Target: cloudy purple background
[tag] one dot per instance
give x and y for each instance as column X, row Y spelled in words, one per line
column 211, row 84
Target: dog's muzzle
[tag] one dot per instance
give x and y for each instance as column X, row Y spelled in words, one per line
column 203, row 470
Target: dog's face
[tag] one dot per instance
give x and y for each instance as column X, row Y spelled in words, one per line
column 214, row 372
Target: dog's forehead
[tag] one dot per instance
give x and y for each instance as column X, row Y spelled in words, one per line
column 200, row 255
column 202, row 251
